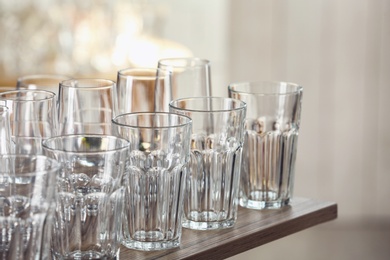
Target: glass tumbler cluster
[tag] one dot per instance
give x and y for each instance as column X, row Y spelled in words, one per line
column 88, row 165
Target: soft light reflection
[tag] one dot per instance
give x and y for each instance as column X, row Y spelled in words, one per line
column 82, row 37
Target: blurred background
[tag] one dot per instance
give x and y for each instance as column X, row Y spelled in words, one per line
column 338, row 50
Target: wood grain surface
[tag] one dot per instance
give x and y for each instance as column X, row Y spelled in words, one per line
column 253, row 228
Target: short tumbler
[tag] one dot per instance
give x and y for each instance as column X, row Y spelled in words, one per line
column 159, row 156
column 27, row 186
column 89, row 195
column 211, row 197
column 272, row 126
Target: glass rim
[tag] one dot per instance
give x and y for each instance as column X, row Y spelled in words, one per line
column 107, row 83
column 260, row 86
column 136, row 114
column 49, row 95
column 176, row 62
column 45, row 142
column 54, row 164
column 123, row 73
column 242, row 104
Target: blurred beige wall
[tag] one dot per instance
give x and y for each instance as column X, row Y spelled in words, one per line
column 340, row 52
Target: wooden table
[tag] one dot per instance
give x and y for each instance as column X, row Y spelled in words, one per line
column 253, row 228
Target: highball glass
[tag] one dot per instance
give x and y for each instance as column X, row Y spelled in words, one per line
column 27, row 192
column 158, row 161
column 211, row 197
column 87, row 222
column 271, row 137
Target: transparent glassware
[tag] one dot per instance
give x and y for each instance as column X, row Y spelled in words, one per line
column 143, row 90
column 33, row 117
column 271, row 138
column 191, row 77
column 154, row 185
column 211, row 197
column 86, row 106
column 27, row 199
column 90, row 195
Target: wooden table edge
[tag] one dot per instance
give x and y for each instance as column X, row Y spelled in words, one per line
column 275, row 226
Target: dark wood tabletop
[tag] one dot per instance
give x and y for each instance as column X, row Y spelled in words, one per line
column 252, row 229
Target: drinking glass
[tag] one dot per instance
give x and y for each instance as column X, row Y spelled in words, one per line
column 211, row 198
column 86, row 106
column 27, row 191
column 87, row 222
column 33, row 117
column 190, row 76
column 271, row 136
column 159, row 155
column 143, row 90
column 50, row 82
column 5, row 131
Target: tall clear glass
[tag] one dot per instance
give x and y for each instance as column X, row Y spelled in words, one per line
column 143, row 90
column 27, row 191
column 211, row 197
column 33, row 117
column 159, row 156
column 271, row 137
column 191, row 77
column 86, row 106
column 87, row 222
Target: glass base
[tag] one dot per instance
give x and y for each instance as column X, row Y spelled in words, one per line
column 85, row 255
column 151, row 246
column 208, row 225
column 263, row 204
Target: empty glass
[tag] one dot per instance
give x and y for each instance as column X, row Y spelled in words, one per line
column 211, row 197
column 27, row 192
column 271, row 136
column 158, row 161
column 87, row 223
column 143, row 90
column 190, row 76
column 86, row 106
column 33, row 117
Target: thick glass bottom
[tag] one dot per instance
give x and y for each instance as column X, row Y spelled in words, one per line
column 208, row 225
column 151, row 246
column 85, row 255
column 263, row 200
